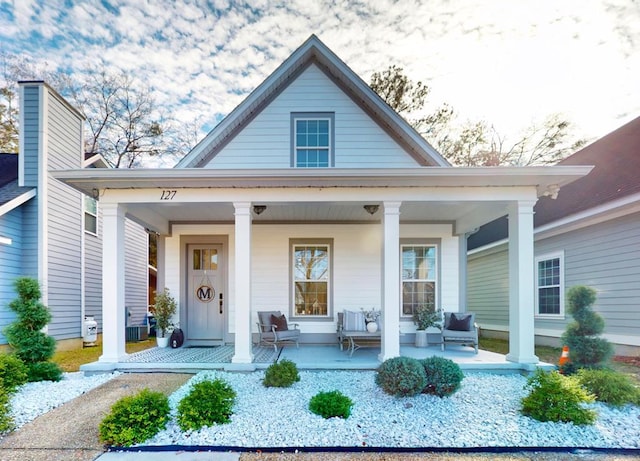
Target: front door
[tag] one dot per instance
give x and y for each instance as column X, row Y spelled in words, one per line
column 206, row 307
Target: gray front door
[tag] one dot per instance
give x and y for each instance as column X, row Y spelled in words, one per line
column 206, row 301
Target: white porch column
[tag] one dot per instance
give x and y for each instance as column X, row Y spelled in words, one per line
column 521, row 283
column 243, row 349
column 113, row 300
column 390, row 341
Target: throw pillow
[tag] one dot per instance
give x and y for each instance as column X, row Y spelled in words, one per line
column 354, row 321
column 279, row 322
column 460, row 322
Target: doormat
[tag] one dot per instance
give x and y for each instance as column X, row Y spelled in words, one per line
column 218, row 354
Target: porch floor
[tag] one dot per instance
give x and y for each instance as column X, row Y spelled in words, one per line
column 306, row 357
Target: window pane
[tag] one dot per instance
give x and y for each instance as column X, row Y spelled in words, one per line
column 213, row 261
column 90, row 223
column 311, row 263
column 301, row 140
column 323, row 126
column 415, row 294
column 301, row 126
column 311, row 298
column 323, row 140
column 196, row 260
column 90, row 205
column 549, row 300
column 419, row 263
column 312, row 126
column 206, row 261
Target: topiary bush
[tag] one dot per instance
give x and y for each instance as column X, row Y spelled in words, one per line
column 443, row 376
column 609, row 386
column 6, row 422
column 134, row 419
column 43, row 371
column 281, row 374
column 401, row 376
column 13, row 372
column 558, row 398
column 208, row 403
column 25, row 335
column 586, row 348
column 331, row 404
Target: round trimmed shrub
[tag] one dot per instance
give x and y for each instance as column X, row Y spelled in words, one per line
column 609, row 386
column 557, row 398
column 134, row 419
column 443, row 376
column 13, row 372
column 208, row 403
column 331, row 404
column 281, row 374
column 401, row 376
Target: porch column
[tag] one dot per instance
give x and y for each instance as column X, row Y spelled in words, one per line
column 243, row 349
column 521, row 283
column 390, row 341
column 113, row 299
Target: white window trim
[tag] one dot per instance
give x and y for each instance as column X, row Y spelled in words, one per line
column 435, row 280
column 293, row 243
column 555, row 255
column 87, row 212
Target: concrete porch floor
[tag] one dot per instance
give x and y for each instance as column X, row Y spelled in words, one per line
column 306, row 357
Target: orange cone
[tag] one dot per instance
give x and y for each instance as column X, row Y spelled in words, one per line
column 564, row 358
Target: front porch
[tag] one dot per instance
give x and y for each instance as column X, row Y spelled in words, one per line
column 307, row 357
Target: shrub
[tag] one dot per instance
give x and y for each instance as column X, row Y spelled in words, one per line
column 609, row 386
column 443, row 376
column 6, row 422
column 401, row 376
column 13, row 372
column 558, row 398
column 25, row 335
column 331, row 404
column 281, row 374
column 208, row 403
column 586, row 348
column 134, row 419
column 43, row 371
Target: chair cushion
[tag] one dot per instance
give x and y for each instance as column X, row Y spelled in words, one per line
column 460, row 322
column 265, row 319
column 354, row 321
column 280, row 322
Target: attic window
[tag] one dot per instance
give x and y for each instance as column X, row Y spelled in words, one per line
column 312, row 140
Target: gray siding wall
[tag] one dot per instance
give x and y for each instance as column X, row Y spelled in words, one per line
column 93, row 273
column 64, row 219
column 604, row 256
column 30, row 106
column 10, row 264
column 136, row 272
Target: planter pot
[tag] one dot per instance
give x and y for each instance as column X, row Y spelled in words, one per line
column 421, row 338
column 163, row 341
column 372, row 327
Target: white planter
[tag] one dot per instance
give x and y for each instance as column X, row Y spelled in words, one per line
column 421, row 338
column 163, row 341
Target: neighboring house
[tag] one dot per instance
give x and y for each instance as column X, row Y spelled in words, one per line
column 52, row 232
column 310, row 197
column 589, row 235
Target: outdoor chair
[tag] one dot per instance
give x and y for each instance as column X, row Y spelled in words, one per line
column 273, row 329
column 460, row 328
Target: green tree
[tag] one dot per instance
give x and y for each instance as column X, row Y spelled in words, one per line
column 8, row 121
column 475, row 143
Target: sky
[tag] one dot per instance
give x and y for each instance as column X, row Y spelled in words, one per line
column 508, row 62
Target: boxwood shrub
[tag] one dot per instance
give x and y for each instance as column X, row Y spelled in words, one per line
column 208, row 403
column 401, row 376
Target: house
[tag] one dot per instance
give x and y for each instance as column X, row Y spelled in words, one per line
column 313, row 196
column 588, row 235
column 51, row 231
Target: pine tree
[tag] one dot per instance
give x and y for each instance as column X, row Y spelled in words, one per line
column 586, row 348
column 25, row 335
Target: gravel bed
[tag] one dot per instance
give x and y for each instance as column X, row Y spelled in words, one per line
column 483, row 413
column 34, row 399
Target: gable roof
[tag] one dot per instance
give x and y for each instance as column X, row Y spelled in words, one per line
column 11, row 195
column 616, row 174
column 313, row 51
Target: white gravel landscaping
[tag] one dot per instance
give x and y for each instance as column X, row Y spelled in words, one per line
column 483, row 413
column 34, row 399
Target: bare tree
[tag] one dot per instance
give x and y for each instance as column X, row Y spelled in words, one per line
column 475, row 143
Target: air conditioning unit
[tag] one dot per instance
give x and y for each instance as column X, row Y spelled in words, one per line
column 137, row 333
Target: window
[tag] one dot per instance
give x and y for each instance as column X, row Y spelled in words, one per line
column 419, row 277
column 312, row 140
column 90, row 215
column 311, row 277
column 550, row 285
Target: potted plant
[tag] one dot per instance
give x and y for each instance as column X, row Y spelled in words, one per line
column 164, row 309
column 426, row 316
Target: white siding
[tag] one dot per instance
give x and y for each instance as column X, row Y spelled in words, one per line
column 265, row 141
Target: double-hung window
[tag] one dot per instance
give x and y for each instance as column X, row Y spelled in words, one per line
column 90, row 215
column 312, row 140
column 311, row 278
column 419, row 277
column 550, row 285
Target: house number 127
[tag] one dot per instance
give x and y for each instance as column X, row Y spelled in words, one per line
column 167, row 195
